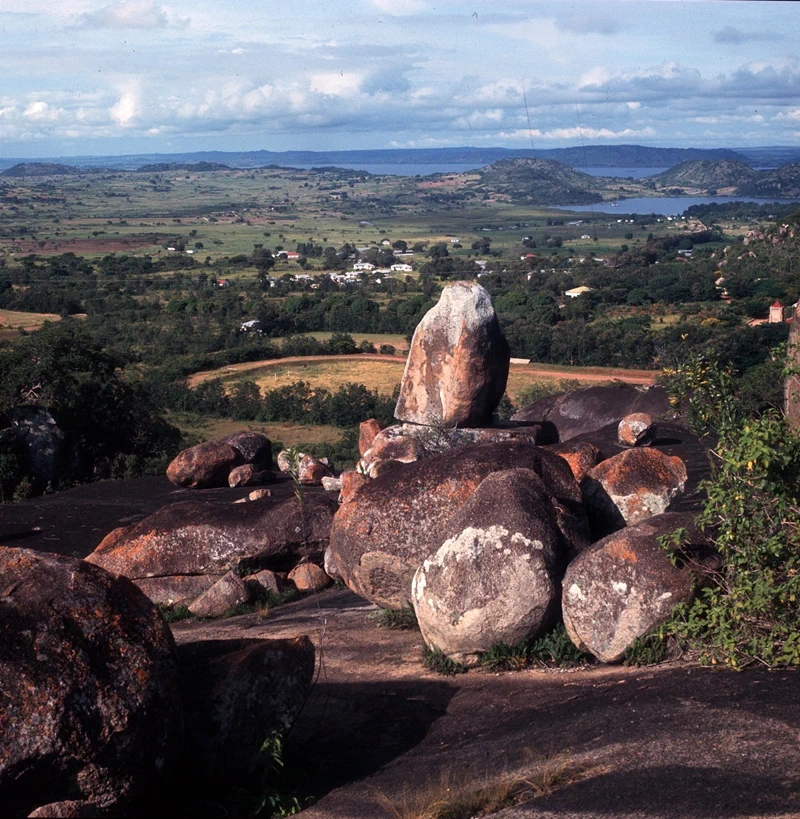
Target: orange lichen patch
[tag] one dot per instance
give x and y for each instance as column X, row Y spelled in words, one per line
column 621, row 549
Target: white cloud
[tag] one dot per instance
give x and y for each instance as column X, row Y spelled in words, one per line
column 39, row 110
column 126, row 109
column 399, row 7
column 337, row 84
column 133, row 14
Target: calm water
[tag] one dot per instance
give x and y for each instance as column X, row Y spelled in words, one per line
column 667, row 206
column 392, row 169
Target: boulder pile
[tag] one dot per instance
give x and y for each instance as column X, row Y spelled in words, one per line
column 495, row 532
column 101, row 716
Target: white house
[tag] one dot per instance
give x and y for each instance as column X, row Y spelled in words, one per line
column 363, row 266
column 402, row 268
column 577, row 291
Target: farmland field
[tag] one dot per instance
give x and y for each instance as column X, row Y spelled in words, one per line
column 383, row 373
column 209, row 429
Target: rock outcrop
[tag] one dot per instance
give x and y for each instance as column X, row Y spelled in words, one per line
column 42, row 442
column 204, row 465
column 495, row 579
column 392, row 523
column 626, row 585
column 367, row 430
column 193, row 537
column 89, row 705
column 591, row 408
column 254, row 447
column 457, row 366
column 580, row 455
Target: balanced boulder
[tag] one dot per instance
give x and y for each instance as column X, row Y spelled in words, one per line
column 631, row 487
column 381, row 535
column 626, row 585
column 204, row 466
column 457, row 366
column 495, row 579
column 89, row 703
column 193, row 537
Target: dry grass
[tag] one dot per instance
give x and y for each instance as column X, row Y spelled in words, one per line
column 455, row 796
column 15, row 319
column 209, row 429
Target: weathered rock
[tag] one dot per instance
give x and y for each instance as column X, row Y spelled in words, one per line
column 580, row 455
column 636, row 429
column 351, row 482
column 309, row 577
column 89, row 708
column 367, row 430
column 311, row 471
column 42, row 441
column 378, row 468
column 229, row 591
column 254, row 447
column 236, row 693
column 285, row 462
column 591, row 408
column 68, row 809
column 181, row 588
column 204, row 465
column 631, row 487
column 792, row 387
column 457, row 366
column 193, row 537
column 330, row 484
column 391, row 444
column 626, row 585
column 241, row 475
column 259, row 494
column 261, row 584
column 495, row 579
column 392, row 523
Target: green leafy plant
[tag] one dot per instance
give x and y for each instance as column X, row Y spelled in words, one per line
column 174, row 613
column 437, row 661
column 553, row 649
column 747, row 611
column 398, row 619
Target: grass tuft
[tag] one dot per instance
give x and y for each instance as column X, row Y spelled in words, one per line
column 174, row 613
column 553, row 650
column 652, row 649
column 436, row 660
column 403, row 619
column 459, row 796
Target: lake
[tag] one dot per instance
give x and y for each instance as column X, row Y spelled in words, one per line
column 666, row 206
column 405, row 169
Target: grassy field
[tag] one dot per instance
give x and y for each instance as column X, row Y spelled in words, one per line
column 17, row 320
column 397, row 341
column 208, row 429
column 384, row 374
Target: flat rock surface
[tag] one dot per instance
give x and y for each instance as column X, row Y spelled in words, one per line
column 675, row 740
column 75, row 521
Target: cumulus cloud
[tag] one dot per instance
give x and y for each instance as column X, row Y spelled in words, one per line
column 133, row 14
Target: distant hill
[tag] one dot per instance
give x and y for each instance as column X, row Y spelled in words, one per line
column 771, row 156
column 39, row 169
column 635, row 156
column 782, row 183
column 539, row 181
column 698, row 173
column 198, row 167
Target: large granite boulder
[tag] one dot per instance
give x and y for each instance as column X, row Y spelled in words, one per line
column 236, row 694
column 254, row 447
column 89, row 704
column 457, row 366
column 792, row 387
column 591, row 408
column 194, row 537
column 204, row 465
column 381, row 535
column 496, row 578
column 626, row 585
column 631, row 487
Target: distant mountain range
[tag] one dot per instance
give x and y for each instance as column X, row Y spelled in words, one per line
column 633, row 156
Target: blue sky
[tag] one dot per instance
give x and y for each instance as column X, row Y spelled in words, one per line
column 127, row 76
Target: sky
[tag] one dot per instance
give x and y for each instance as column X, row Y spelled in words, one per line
column 107, row 77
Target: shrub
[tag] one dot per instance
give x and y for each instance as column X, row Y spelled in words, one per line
column 436, row 660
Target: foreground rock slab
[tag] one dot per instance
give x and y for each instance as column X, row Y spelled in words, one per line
column 457, row 366
column 236, row 693
column 381, row 535
column 496, row 578
column 626, row 585
column 193, row 537
column 89, row 707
